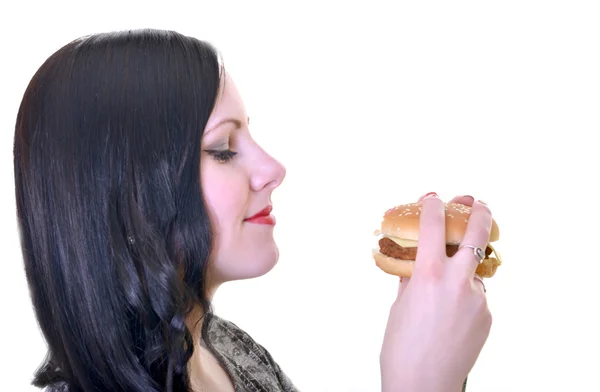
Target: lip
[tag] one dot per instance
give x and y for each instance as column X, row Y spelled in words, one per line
column 262, row 217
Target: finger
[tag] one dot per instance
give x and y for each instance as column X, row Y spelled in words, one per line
column 479, row 227
column 425, row 195
column 466, row 200
column 431, row 246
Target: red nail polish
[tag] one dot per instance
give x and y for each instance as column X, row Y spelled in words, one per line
column 430, row 195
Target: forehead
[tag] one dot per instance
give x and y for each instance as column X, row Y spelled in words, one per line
column 229, row 103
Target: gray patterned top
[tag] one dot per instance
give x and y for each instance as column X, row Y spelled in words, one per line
column 250, row 365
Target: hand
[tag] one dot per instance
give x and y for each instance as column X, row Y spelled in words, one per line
column 440, row 320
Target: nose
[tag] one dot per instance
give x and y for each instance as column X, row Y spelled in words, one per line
column 269, row 173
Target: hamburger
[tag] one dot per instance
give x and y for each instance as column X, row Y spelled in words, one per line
column 399, row 235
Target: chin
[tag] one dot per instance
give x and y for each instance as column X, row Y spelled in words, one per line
column 263, row 263
column 247, row 265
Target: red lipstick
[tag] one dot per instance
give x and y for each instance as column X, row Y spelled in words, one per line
column 263, row 217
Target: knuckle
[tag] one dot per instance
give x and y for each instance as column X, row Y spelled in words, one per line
column 462, row 287
column 488, row 319
column 484, row 309
column 465, row 288
column 431, row 272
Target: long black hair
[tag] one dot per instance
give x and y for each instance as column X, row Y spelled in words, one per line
column 114, row 229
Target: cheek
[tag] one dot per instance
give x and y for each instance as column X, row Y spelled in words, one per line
column 225, row 197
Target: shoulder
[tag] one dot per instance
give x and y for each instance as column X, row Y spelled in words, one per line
column 237, row 345
column 225, row 332
column 218, row 323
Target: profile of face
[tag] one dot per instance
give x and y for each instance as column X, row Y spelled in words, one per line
column 237, row 179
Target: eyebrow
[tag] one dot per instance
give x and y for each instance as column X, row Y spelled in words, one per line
column 234, row 121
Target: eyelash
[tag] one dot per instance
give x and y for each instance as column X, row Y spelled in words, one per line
column 222, row 156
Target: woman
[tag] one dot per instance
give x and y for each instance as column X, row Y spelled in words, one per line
column 140, row 191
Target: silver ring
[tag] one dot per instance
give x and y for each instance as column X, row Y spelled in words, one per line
column 481, row 280
column 477, row 252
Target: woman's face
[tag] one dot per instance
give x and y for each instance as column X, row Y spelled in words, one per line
column 238, row 178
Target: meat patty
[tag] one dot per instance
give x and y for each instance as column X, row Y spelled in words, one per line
column 392, row 249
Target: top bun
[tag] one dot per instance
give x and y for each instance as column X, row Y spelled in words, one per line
column 403, row 222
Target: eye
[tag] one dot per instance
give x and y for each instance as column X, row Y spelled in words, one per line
column 222, row 156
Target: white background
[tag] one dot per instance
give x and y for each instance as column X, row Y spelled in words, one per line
column 371, row 104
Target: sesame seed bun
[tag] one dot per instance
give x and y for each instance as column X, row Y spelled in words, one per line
column 401, row 224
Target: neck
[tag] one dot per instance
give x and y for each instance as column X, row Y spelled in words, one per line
column 194, row 319
column 197, row 366
column 206, row 373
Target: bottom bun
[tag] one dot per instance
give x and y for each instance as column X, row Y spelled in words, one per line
column 404, row 268
column 393, row 266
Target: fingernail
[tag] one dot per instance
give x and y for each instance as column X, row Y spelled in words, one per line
column 482, row 202
column 471, row 198
column 430, row 195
